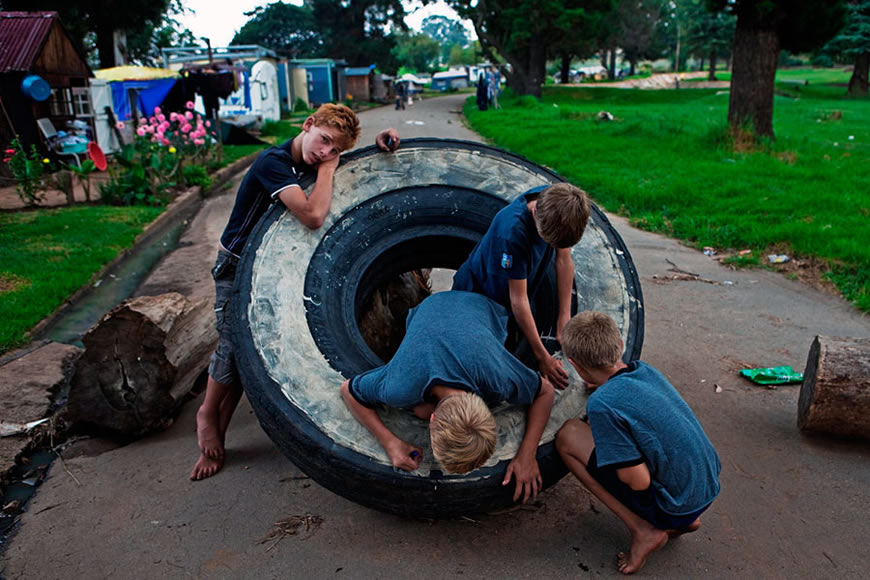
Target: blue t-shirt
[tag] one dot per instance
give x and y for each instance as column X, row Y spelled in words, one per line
column 273, row 171
column 639, row 415
column 455, row 339
column 511, row 249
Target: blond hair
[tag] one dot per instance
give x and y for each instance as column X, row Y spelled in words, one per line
column 592, row 340
column 561, row 214
column 341, row 118
column 462, row 433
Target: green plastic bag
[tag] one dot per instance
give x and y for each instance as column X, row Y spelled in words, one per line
column 773, row 375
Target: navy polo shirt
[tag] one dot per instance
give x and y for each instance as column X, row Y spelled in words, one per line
column 272, row 172
column 454, row 339
column 511, row 249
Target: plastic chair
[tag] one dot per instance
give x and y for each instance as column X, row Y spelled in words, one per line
column 52, row 139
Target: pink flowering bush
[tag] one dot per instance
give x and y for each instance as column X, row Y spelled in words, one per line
column 156, row 162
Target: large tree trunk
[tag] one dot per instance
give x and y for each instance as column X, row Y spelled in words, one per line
column 858, row 81
column 712, row 74
column 750, row 104
column 835, row 394
column 140, row 362
column 565, row 69
column 106, row 46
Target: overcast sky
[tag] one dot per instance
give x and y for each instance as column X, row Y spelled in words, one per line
column 219, row 21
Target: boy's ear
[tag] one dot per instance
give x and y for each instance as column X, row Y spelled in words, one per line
column 575, row 365
column 308, row 124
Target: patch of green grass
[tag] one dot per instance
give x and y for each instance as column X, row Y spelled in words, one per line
column 46, row 255
column 277, row 132
column 668, row 163
column 232, row 153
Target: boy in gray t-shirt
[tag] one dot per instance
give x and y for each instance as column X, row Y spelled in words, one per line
column 643, row 453
column 451, row 364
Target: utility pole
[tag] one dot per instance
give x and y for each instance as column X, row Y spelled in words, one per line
column 217, row 115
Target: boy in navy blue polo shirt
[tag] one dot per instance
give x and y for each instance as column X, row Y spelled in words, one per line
column 273, row 177
column 513, row 257
column 643, row 453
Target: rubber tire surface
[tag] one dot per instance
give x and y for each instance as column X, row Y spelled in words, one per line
column 297, row 292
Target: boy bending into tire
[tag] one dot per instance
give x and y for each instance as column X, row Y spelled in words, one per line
column 643, row 453
column 451, row 365
column 513, row 257
column 274, row 177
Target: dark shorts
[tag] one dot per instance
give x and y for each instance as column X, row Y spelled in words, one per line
column 222, row 367
column 643, row 503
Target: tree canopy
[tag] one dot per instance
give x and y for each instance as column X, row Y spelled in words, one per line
column 287, row 29
column 417, row 52
column 524, row 32
column 101, row 17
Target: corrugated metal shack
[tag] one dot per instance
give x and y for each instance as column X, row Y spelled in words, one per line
column 42, row 74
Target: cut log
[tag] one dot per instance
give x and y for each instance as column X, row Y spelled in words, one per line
column 835, row 394
column 140, row 362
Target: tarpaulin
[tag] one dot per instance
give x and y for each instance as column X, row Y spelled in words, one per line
column 150, row 94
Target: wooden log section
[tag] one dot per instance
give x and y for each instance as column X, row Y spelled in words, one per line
column 835, row 394
column 140, row 361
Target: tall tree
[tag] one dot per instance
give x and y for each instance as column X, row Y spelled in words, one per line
column 853, row 42
column 144, row 43
column 287, row 29
column 524, row 32
column 708, row 34
column 418, row 52
column 446, row 32
column 764, row 27
column 638, row 27
column 582, row 39
column 102, row 17
column 359, row 30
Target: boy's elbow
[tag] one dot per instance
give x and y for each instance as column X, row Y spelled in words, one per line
column 315, row 221
column 546, row 390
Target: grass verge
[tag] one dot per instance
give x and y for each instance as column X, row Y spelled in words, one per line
column 668, row 164
column 47, row 254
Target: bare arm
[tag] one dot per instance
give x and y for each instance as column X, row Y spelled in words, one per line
column 402, row 455
column 312, row 209
column 524, row 467
column 550, row 367
column 564, row 285
column 388, row 139
column 636, row 477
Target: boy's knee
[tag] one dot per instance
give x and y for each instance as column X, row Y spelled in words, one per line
column 568, row 435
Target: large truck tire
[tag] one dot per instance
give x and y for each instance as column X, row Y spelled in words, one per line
column 299, row 292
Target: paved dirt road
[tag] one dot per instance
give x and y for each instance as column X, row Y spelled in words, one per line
column 791, row 506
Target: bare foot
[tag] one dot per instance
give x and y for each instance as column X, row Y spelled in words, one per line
column 208, row 435
column 205, row 467
column 693, row 527
column 643, row 543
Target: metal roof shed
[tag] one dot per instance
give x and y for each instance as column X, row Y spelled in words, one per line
column 33, row 46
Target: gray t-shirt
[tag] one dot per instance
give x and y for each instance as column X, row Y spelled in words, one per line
column 638, row 415
column 455, row 339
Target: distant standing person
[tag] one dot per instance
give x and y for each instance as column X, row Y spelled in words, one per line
column 482, row 92
column 401, row 95
column 493, row 86
column 643, row 453
column 273, row 177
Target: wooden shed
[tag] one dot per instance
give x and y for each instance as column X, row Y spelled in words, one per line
column 35, row 50
column 359, row 82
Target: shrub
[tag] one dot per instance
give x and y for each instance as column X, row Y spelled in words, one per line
column 28, row 169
